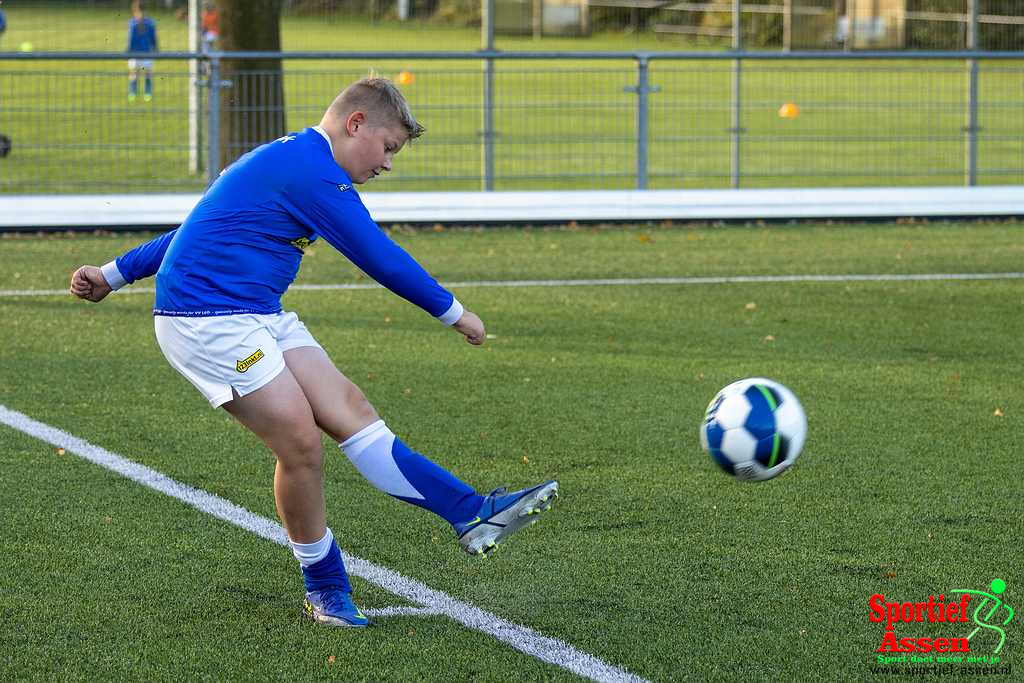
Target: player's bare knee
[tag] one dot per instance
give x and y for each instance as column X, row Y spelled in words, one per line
column 302, row 450
column 359, row 407
column 365, row 412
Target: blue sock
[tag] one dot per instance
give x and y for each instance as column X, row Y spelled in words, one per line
column 395, row 469
column 441, row 492
column 327, row 573
column 149, row 85
column 133, row 87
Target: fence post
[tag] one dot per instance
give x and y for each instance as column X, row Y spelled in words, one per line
column 850, row 42
column 642, row 89
column 195, row 113
column 737, row 68
column 787, row 25
column 972, row 100
column 487, row 38
column 213, row 149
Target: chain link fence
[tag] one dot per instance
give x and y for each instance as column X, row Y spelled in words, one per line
column 557, row 121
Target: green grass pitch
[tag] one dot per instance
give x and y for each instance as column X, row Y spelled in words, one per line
column 652, row 559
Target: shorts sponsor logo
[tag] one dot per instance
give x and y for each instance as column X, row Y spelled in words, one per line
column 247, row 363
column 301, row 243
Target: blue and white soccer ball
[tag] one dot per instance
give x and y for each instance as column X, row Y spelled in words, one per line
column 754, row 429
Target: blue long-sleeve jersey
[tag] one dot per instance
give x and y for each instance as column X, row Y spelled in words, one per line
column 241, row 246
column 142, row 38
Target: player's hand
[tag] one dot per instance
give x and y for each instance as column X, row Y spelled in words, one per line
column 88, row 283
column 472, row 327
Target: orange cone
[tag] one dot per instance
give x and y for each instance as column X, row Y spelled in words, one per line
column 789, row 111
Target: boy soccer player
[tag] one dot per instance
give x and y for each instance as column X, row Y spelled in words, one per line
column 141, row 38
column 219, row 322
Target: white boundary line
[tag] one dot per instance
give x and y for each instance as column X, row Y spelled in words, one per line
column 432, row 602
column 401, row 612
column 613, row 282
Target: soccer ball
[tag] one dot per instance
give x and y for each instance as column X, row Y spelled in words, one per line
column 754, row 429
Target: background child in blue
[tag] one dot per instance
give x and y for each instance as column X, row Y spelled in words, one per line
column 219, row 322
column 141, row 38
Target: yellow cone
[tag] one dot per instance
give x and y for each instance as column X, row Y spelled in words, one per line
column 405, row 78
column 789, row 111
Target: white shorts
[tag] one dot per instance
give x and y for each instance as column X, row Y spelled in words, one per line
column 134, row 64
column 225, row 352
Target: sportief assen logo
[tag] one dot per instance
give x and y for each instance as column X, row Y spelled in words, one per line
column 979, row 607
column 934, row 611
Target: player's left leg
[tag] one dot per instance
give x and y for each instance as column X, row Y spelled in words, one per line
column 264, row 397
column 278, row 413
column 148, row 92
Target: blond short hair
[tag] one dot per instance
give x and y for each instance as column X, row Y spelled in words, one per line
column 382, row 103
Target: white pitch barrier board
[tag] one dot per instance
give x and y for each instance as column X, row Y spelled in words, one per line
column 159, row 210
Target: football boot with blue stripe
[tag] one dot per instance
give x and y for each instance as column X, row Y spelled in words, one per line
column 333, row 607
column 502, row 514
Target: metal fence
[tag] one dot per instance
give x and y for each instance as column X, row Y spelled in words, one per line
column 546, row 121
column 92, row 25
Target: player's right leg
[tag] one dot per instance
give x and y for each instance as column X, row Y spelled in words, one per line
column 133, row 80
column 342, row 411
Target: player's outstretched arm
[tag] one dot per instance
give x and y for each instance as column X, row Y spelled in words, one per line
column 93, row 284
column 88, row 283
column 472, row 327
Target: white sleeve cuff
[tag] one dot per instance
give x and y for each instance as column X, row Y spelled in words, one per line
column 452, row 315
column 113, row 276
